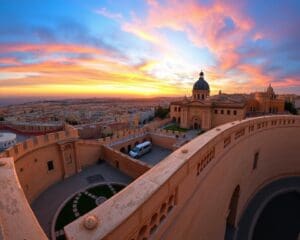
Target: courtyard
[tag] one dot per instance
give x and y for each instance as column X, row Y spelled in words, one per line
column 81, row 187
column 156, row 154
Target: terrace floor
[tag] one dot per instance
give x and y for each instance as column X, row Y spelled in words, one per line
column 156, row 154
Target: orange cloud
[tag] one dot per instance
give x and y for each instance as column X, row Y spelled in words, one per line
column 256, row 75
column 9, row 61
column 49, row 48
column 81, row 77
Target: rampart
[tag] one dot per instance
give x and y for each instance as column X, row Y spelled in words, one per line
column 28, row 128
column 132, row 167
column 33, row 158
column 187, row 196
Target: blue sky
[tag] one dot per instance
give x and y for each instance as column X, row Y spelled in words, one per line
column 147, row 48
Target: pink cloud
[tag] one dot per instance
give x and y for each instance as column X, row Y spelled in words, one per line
column 204, row 26
column 9, row 61
column 49, row 48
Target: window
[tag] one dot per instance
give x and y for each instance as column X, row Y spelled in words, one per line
column 50, row 165
column 256, row 156
column 228, row 112
column 222, row 111
column 234, row 112
column 216, row 111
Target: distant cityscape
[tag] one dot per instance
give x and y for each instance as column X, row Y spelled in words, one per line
column 83, row 111
column 149, row 120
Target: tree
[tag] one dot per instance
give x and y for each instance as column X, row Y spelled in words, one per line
column 161, row 112
column 72, row 121
column 289, row 106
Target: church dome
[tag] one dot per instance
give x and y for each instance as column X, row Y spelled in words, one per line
column 270, row 90
column 201, row 84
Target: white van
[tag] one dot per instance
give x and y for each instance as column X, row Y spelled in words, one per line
column 140, row 149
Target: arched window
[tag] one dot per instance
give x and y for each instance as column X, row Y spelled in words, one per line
column 231, row 218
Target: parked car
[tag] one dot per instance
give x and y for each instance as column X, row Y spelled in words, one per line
column 140, row 149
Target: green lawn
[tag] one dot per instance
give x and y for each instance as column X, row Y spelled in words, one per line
column 118, row 187
column 101, row 191
column 65, row 216
column 84, row 205
column 175, row 127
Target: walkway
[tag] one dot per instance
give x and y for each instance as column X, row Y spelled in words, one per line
column 49, row 201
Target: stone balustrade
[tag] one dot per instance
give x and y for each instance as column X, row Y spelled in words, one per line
column 192, row 185
column 157, row 199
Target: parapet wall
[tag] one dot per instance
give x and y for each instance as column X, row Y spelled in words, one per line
column 157, row 124
column 36, row 142
column 188, row 195
column 28, row 128
column 131, row 167
column 89, row 152
column 31, row 159
column 17, row 219
column 123, row 136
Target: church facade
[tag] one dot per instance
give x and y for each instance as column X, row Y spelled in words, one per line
column 203, row 111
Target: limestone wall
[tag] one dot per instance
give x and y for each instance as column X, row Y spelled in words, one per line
column 33, row 173
column 89, row 152
column 123, row 136
column 164, row 141
column 31, row 161
column 219, row 118
column 28, row 128
column 157, row 124
column 131, row 167
column 17, row 221
column 187, row 196
column 36, row 142
column 126, row 144
column 160, row 137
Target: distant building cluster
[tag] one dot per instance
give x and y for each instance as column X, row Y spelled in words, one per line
column 205, row 111
column 7, row 140
column 131, row 113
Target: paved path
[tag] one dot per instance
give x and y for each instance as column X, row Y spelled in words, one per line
column 254, row 208
column 156, row 155
column 49, row 201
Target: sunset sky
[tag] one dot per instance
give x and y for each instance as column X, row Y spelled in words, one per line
column 147, row 48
